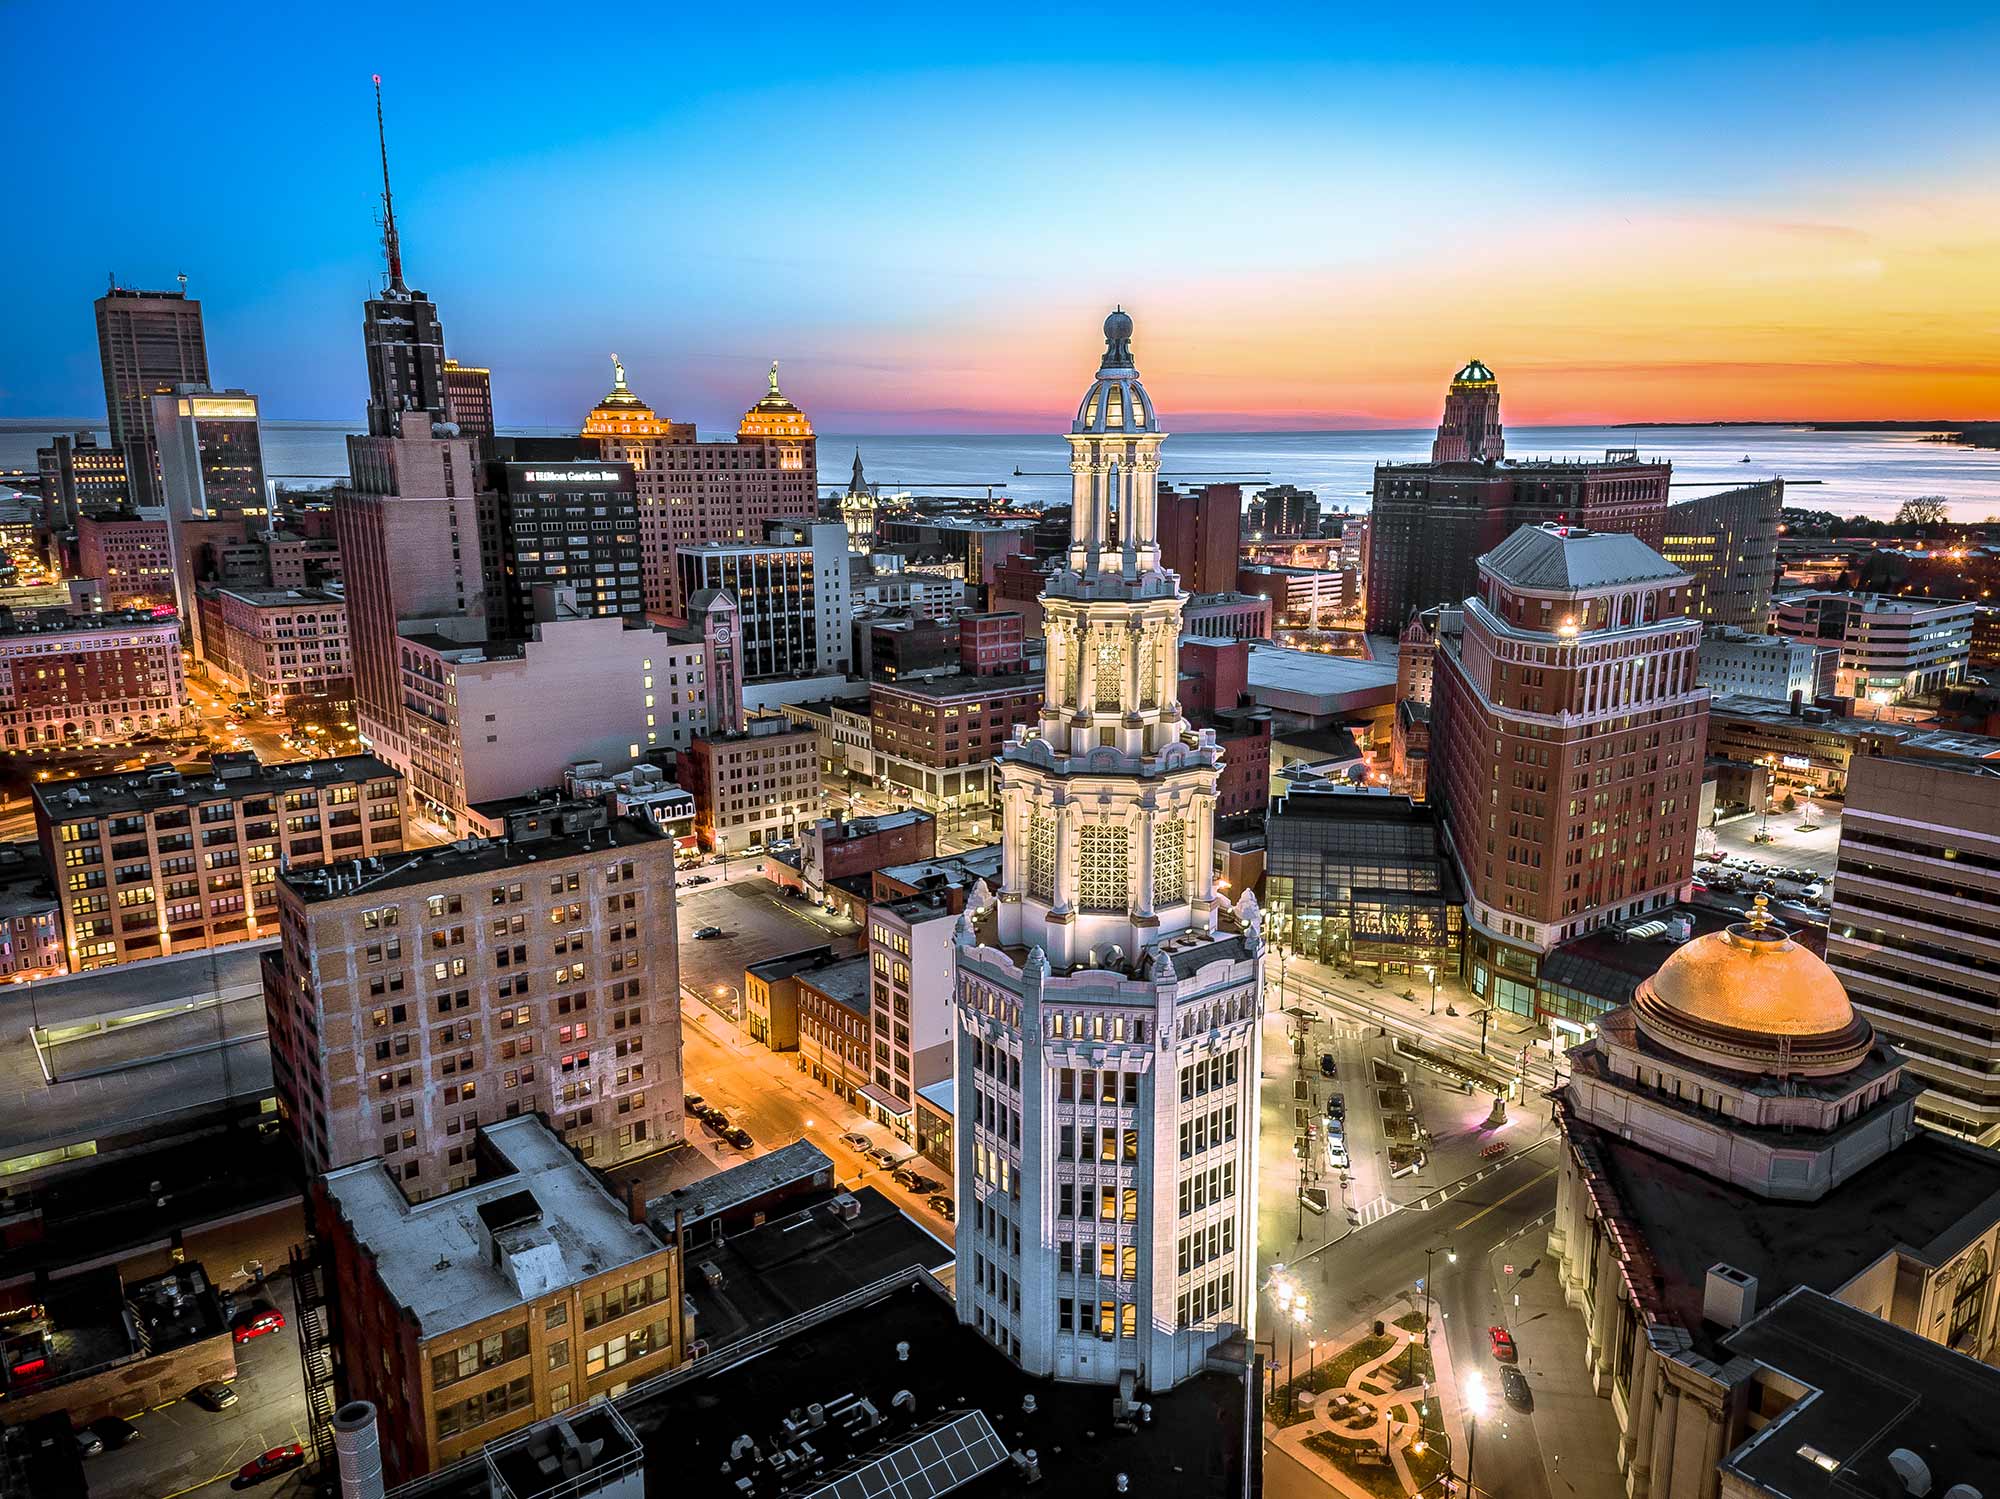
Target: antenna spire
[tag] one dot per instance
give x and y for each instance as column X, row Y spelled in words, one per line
column 392, row 245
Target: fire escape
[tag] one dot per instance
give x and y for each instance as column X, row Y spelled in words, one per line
column 314, row 1315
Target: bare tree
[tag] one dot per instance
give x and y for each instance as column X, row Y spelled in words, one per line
column 1924, row 510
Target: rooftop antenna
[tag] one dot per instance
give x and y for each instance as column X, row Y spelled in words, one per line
column 183, row 279
column 392, row 246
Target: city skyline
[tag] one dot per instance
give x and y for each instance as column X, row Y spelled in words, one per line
column 1762, row 216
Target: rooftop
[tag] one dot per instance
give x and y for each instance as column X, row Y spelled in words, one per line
column 232, row 776
column 545, row 1221
column 845, row 982
column 788, row 1164
column 871, row 823
column 1569, row 557
column 801, row 1259
column 1870, row 1389
column 785, row 965
column 1279, row 669
column 277, row 598
column 132, row 1048
column 981, row 863
column 962, row 684
column 1928, row 1198
column 371, row 878
column 123, row 619
column 25, row 886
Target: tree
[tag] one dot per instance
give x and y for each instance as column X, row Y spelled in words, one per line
column 1791, row 802
column 1924, row 510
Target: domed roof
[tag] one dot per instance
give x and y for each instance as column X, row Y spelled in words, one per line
column 1474, row 373
column 774, row 415
column 1116, row 402
column 1753, row 1000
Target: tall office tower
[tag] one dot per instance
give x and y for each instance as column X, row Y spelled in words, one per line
column 1200, row 533
column 1470, row 431
column 692, row 491
column 400, row 328
column 80, row 478
column 468, row 398
column 1288, row 510
column 1913, row 927
column 1432, row 521
column 1567, row 740
column 412, row 1000
column 211, row 484
column 562, row 518
column 792, row 588
column 1106, row 1050
column 149, row 342
column 1728, row 542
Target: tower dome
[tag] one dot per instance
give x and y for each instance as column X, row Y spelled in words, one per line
column 1116, row 402
column 774, row 415
column 1474, row 373
column 1750, row 999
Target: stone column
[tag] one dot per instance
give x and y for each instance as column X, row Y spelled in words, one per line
column 1635, row 1449
column 1066, row 852
column 1201, row 878
column 1086, row 673
column 1142, row 904
column 1666, row 1422
column 1014, row 837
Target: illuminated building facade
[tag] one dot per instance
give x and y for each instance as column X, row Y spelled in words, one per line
column 692, row 492
column 149, row 342
column 1470, row 429
column 468, row 398
column 1728, row 543
column 1106, row 1051
column 1567, row 741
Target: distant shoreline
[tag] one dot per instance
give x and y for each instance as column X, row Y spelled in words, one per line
column 1971, row 434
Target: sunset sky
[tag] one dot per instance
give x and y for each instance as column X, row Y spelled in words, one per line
column 1314, row 214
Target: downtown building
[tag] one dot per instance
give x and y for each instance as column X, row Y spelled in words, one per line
column 157, row 863
column 1199, row 535
column 284, row 648
column 97, row 677
column 559, row 518
column 128, row 557
column 148, row 342
column 80, row 478
column 1728, row 543
column 1106, row 1050
column 1915, row 931
column 413, row 999
column 791, row 592
column 1432, row 521
column 1567, row 736
column 1888, row 648
column 690, row 492
column 211, row 486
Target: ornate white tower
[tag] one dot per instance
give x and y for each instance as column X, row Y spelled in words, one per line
column 1107, row 1048
column 1108, row 807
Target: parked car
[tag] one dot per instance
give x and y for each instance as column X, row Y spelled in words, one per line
column 717, row 1121
column 884, row 1158
column 213, row 1396
column 1336, row 1153
column 1514, row 1385
column 1813, row 892
column 739, row 1137
column 269, row 1465
column 1336, row 1106
column 1327, row 1066
column 704, row 933
column 692, row 1103
column 88, row 1443
column 1503, row 1344
column 914, row 1181
column 254, row 1321
column 855, row 1140
column 699, row 879
column 794, row 892
column 113, row 1431
column 943, row 1206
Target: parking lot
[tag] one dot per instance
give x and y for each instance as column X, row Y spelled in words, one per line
column 1783, row 869
column 185, row 1451
column 756, row 923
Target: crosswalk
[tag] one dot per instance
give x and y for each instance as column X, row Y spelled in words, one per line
column 1373, row 1212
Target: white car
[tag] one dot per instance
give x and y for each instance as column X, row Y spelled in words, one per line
column 1336, row 1153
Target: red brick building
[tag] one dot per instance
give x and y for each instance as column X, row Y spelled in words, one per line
column 1017, row 588
column 1199, row 533
column 1215, row 694
column 836, row 848
column 129, row 555
column 991, row 644
column 935, row 739
column 108, row 676
column 1568, row 736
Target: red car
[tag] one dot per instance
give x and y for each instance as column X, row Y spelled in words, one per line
column 269, row 1465
column 255, row 1321
column 1503, row 1344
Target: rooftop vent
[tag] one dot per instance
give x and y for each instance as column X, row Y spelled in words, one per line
column 1730, row 1296
column 1911, row 1471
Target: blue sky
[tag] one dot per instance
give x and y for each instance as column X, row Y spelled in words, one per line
column 923, row 212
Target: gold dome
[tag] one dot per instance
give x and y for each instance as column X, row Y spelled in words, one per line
column 1753, row 999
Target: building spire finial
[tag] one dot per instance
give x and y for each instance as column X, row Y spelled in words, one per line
column 392, row 244
column 617, row 374
column 774, row 377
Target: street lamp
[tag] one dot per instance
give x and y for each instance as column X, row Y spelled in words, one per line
column 1431, row 969
column 1476, row 1405
column 1450, row 1258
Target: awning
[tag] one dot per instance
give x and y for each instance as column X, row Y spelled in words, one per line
column 883, row 1099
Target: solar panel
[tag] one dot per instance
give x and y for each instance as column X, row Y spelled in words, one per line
column 945, row 1457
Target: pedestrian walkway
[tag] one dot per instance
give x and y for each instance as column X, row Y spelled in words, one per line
column 1357, row 1413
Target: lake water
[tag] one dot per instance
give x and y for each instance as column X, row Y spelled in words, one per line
column 1849, row 473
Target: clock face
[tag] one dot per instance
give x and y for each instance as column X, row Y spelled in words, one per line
column 722, row 634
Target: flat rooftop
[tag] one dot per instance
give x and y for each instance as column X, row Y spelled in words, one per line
column 231, row 777
column 801, row 1259
column 69, row 624
column 280, row 598
column 1871, row 1388
column 982, row 863
column 1929, row 738
column 1928, row 1198
column 437, row 1258
column 131, row 1048
column 789, row 1164
column 350, row 878
column 962, row 684
column 845, row 982
column 1279, row 670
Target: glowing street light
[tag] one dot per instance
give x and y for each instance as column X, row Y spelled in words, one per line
column 1477, row 1403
